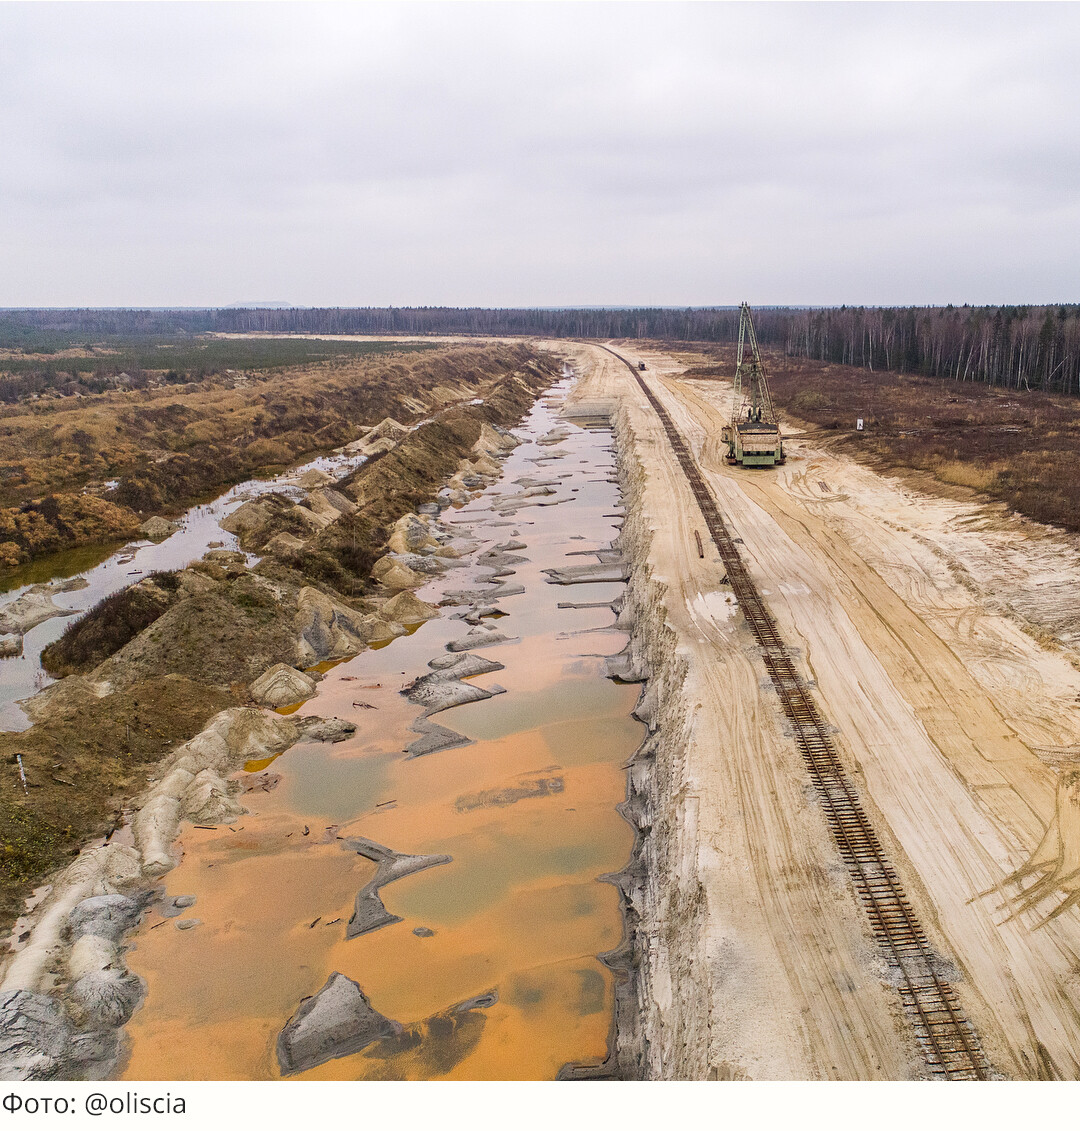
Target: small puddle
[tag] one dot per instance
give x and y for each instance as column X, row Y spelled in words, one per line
column 526, row 811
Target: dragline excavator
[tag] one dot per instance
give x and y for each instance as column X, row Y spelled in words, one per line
column 753, row 436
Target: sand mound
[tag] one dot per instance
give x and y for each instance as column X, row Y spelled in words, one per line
column 281, row 686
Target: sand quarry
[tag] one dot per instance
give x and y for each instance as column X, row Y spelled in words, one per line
column 938, row 639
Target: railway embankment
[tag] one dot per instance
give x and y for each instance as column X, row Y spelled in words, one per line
column 947, row 1040
column 746, row 956
column 662, row 1010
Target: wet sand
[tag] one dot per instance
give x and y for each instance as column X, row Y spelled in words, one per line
column 526, row 811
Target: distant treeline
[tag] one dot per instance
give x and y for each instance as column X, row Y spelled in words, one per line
column 1012, row 346
column 1031, row 347
column 27, row 328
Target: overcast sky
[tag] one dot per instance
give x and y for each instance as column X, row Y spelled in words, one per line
column 504, row 154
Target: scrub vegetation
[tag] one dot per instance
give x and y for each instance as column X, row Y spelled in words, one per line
column 52, row 364
column 103, row 630
column 82, row 470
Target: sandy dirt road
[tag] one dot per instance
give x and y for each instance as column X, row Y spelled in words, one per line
column 907, row 613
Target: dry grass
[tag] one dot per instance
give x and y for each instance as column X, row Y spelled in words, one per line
column 171, row 446
column 965, row 475
column 80, row 766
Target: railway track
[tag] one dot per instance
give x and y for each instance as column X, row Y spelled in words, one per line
column 946, row 1038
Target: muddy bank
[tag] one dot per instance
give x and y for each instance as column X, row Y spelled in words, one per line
column 661, row 896
column 66, row 991
column 339, row 1021
column 142, row 669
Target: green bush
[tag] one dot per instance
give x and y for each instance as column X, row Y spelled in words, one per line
column 103, row 630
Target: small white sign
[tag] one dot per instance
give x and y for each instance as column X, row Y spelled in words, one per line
column 858, row 424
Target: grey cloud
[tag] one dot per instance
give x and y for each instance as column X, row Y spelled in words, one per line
column 538, row 153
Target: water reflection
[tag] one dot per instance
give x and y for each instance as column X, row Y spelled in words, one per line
column 108, row 571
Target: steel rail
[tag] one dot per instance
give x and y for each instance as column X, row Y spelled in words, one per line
column 947, row 1040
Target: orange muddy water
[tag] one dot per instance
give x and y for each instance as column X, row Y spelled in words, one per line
column 526, row 811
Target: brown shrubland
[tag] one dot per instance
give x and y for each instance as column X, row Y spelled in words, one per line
column 170, row 446
column 1016, row 446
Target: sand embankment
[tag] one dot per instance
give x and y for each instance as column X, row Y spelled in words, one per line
column 915, row 620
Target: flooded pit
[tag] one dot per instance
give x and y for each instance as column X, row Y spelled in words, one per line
column 526, row 811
